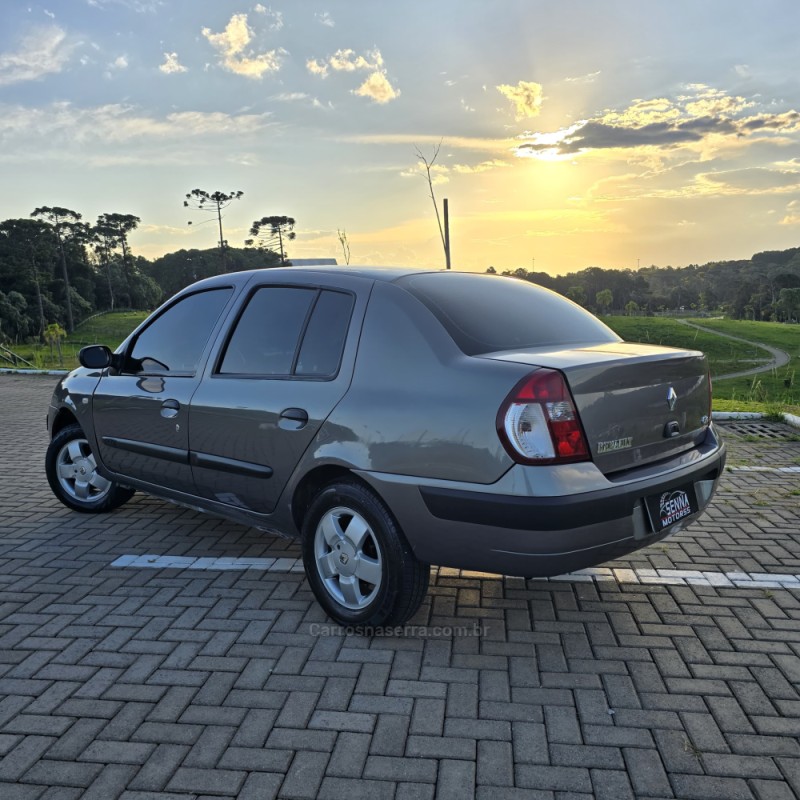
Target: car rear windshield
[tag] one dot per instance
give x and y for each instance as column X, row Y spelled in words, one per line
column 489, row 313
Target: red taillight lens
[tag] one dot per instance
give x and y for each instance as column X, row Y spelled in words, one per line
column 538, row 422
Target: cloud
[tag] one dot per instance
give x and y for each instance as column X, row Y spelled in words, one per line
column 42, row 52
column 753, row 180
column 590, row 77
column 348, row 61
column 474, row 144
column 317, row 67
column 324, row 18
column 232, row 46
column 661, row 123
column 484, row 166
column 120, row 62
column 438, row 173
column 526, row 97
column 376, row 85
column 377, row 88
column 64, row 123
column 139, row 6
column 792, row 214
column 171, row 65
column 275, row 17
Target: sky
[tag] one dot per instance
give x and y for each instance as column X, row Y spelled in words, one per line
column 564, row 135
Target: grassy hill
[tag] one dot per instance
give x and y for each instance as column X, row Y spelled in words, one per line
column 775, row 387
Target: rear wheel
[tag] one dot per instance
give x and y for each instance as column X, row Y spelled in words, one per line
column 360, row 566
column 72, row 474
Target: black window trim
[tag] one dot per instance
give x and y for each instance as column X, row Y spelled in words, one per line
column 178, row 373
column 284, row 376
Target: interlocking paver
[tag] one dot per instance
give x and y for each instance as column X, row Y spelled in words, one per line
column 169, row 683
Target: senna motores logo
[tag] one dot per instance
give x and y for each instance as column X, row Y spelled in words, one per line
column 673, row 506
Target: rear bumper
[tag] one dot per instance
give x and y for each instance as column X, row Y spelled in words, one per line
column 513, row 534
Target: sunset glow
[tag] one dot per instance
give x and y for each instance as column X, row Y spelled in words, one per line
column 571, row 134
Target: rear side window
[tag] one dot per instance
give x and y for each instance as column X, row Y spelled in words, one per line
column 488, row 313
column 175, row 340
column 286, row 331
column 324, row 339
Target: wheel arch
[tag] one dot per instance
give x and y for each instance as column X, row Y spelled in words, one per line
column 313, row 481
column 62, row 419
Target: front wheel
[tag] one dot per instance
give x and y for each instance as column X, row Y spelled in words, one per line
column 72, row 474
column 360, row 566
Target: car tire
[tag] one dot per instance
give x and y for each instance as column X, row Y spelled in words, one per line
column 73, row 476
column 361, row 568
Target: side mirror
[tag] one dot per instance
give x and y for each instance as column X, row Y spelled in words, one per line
column 95, row 356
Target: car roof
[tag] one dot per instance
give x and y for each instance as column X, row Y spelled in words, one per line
column 377, row 273
column 385, row 274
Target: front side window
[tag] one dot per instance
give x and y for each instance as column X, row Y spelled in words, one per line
column 175, row 340
column 285, row 331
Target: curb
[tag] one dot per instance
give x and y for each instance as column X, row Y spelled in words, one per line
column 15, row 371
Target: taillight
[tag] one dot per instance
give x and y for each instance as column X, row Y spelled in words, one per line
column 538, row 422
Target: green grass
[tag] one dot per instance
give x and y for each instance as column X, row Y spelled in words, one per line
column 776, row 386
column 724, row 355
column 766, row 392
column 109, row 329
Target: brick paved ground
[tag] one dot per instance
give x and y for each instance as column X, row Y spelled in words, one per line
column 146, row 683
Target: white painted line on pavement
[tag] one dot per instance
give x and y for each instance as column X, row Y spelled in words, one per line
column 676, row 577
column 765, row 469
column 150, row 561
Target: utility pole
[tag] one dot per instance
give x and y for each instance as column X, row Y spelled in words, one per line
column 446, row 234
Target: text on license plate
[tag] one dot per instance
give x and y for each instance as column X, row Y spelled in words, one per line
column 667, row 507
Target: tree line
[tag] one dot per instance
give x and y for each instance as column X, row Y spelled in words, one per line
column 764, row 287
column 56, row 269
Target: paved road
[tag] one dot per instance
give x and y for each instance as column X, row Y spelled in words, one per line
column 141, row 682
column 778, row 358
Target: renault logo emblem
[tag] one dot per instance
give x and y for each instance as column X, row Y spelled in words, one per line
column 672, row 398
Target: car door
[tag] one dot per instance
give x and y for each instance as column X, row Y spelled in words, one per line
column 141, row 412
column 273, row 383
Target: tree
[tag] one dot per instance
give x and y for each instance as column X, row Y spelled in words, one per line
column 789, row 303
column 577, row 294
column 26, row 245
column 343, row 241
column 63, row 223
column 116, row 227
column 631, row 307
column 53, row 334
column 604, row 298
column 212, row 202
column 428, row 164
column 270, row 232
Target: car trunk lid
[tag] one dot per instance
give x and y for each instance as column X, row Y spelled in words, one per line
column 638, row 403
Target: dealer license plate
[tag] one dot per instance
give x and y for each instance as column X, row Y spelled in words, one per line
column 671, row 506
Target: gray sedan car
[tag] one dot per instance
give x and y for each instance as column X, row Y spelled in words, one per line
column 393, row 419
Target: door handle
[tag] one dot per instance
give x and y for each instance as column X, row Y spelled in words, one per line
column 293, row 419
column 170, row 409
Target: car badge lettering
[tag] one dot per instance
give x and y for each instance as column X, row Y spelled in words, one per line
column 672, row 398
column 614, row 444
column 673, row 506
